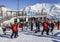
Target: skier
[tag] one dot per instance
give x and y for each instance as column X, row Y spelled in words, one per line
column 22, row 24
column 14, row 31
column 27, row 24
column 52, row 27
column 4, row 29
column 58, row 25
column 31, row 26
column 37, row 23
column 45, row 28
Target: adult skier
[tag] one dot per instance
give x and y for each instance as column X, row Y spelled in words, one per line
column 14, row 30
column 45, row 28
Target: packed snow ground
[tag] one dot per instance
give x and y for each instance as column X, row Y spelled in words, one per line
column 30, row 36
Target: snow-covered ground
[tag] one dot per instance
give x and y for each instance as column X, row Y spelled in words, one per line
column 30, row 36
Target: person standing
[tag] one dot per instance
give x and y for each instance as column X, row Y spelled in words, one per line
column 52, row 27
column 37, row 23
column 58, row 25
column 45, row 28
column 31, row 25
column 4, row 29
column 14, row 31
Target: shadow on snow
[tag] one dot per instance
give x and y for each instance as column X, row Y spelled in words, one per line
column 5, row 36
column 48, row 36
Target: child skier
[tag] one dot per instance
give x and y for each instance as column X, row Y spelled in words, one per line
column 4, row 29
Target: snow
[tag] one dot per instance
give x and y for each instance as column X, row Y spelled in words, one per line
column 30, row 36
column 25, row 38
column 51, row 9
column 6, row 22
column 0, row 28
column 58, row 6
column 12, row 19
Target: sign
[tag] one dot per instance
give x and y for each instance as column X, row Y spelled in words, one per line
column 31, row 14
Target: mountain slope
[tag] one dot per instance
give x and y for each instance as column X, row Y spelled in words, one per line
column 53, row 10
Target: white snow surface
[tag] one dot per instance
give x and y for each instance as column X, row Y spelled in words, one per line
column 53, row 10
column 29, row 36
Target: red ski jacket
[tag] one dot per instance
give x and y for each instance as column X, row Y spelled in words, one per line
column 14, row 28
column 45, row 25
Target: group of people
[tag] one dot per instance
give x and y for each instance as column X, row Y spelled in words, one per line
column 13, row 27
column 47, row 26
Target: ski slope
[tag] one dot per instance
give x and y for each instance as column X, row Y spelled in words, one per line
column 30, row 36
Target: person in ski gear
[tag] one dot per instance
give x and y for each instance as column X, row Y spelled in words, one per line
column 52, row 26
column 45, row 28
column 14, row 30
column 31, row 26
column 4, row 29
column 58, row 23
column 37, row 23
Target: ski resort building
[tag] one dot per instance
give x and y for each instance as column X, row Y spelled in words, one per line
column 21, row 14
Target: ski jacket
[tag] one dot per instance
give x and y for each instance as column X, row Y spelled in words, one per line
column 14, row 28
column 45, row 25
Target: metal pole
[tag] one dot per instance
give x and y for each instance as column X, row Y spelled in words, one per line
column 17, row 8
column 17, row 13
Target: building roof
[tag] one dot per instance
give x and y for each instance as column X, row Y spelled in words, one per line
column 2, row 6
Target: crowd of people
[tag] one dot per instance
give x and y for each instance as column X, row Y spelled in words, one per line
column 47, row 26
